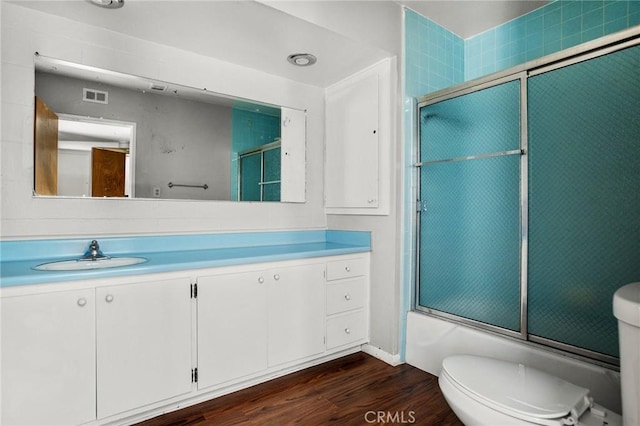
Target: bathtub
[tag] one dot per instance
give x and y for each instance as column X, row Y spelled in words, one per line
column 429, row 340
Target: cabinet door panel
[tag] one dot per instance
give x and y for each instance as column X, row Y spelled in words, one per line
column 143, row 344
column 296, row 298
column 232, row 330
column 352, row 144
column 48, row 359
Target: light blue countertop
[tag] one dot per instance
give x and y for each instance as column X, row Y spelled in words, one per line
column 172, row 253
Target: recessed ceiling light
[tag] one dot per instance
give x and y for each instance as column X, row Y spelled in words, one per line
column 108, row 4
column 302, row 59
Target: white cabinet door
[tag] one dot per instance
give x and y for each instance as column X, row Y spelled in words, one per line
column 143, row 344
column 232, row 327
column 296, row 298
column 293, row 155
column 48, row 358
column 352, row 144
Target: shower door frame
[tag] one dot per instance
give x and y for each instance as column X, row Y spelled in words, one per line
column 583, row 52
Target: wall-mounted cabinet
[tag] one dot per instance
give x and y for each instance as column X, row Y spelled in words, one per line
column 358, row 158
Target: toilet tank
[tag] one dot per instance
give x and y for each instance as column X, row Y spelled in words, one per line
column 626, row 308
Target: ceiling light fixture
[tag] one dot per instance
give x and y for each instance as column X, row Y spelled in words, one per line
column 302, row 59
column 108, row 4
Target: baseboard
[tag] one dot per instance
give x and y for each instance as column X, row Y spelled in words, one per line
column 381, row 355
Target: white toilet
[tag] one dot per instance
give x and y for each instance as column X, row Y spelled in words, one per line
column 490, row 392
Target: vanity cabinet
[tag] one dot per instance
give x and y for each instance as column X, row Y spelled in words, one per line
column 48, row 358
column 118, row 349
column 358, row 157
column 251, row 321
column 143, row 346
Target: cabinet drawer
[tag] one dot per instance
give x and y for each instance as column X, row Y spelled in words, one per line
column 348, row 268
column 345, row 329
column 344, row 296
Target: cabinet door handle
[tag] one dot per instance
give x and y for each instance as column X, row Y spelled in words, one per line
column 261, row 280
column 276, row 277
column 348, row 269
column 346, row 330
column 347, row 297
column 82, row 302
column 109, row 298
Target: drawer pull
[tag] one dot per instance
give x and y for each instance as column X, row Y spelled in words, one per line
column 348, row 269
column 109, row 298
column 82, row 302
column 347, row 297
column 346, row 330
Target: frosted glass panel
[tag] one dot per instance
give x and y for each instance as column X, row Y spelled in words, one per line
column 271, row 187
column 472, row 124
column 250, row 177
column 469, row 240
column 584, row 206
column 469, row 253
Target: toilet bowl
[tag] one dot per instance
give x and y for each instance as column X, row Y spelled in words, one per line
column 491, row 392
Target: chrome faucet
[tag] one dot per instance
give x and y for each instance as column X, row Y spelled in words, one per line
column 94, row 252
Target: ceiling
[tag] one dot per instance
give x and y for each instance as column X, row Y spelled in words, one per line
column 471, row 17
column 255, row 35
column 247, row 33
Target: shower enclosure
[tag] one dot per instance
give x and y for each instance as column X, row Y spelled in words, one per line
column 528, row 217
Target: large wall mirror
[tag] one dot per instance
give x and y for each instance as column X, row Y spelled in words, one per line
column 100, row 133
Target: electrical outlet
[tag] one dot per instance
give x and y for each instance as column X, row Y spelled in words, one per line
column 156, row 192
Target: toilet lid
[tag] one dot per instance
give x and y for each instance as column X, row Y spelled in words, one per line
column 515, row 389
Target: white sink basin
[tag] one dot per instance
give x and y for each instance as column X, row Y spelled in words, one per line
column 83, row 264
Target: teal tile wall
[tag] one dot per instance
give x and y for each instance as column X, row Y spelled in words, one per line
column 434, row 56
column 554, row 27
column 249, row 130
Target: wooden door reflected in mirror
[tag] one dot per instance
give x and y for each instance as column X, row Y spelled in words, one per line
column 46, row 150
column 107, row 172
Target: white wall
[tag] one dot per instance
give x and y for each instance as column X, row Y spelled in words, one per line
column 378, row 24
column 26, row 31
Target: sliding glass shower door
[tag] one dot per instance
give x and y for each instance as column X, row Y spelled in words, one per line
column 528, row 217
column 469, row 247
column 584, row 205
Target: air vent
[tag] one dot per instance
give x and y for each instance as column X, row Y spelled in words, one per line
column 93, row 95
column 157, row 87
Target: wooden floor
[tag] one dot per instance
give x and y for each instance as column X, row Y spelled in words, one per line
column 355, row 390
